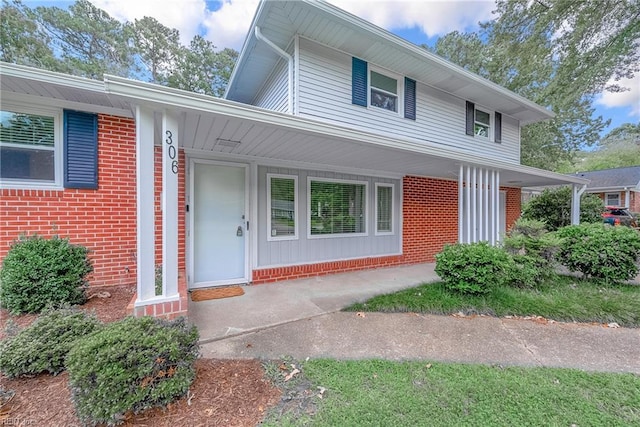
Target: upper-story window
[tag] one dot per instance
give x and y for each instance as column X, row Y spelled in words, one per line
column 30, row 147
column 380, row 90
column 384, row 92
column 482, row 123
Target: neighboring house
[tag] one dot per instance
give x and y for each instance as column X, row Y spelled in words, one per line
column 339, row 147
column 616, row 187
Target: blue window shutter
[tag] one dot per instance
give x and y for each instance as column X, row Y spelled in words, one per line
column 497, row 133
column 80, row 150
column 471, row 118
column 359, row 82
column 409, row 98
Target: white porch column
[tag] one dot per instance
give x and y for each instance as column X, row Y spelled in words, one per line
column 170, row 169
column 145, row 205
column 575, row 202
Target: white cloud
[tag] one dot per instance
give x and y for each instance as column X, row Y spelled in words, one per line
column 184, row 15
column 628, row 99
column 431, row 17
column 228, row 26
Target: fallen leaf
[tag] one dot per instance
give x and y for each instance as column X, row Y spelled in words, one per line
column 428, row 366
column 283, row 367
column 613, row 325
column 360, row 314
column 249, row 345
column 322, row 390
column 190, row 397
column 293, row 373
column 208, row 412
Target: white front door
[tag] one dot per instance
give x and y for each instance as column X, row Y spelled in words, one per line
column 219, row 224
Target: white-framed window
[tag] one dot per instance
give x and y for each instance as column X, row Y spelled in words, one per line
column 482, row 123
column 384, row 208
column 282, row 205
column 384, row 91
column 336, row 208
column 30, row 147
column 612, row 199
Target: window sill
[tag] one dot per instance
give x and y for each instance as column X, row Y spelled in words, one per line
column 4, row 185
column 335, row 236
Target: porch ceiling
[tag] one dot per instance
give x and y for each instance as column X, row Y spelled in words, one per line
column 213, row 134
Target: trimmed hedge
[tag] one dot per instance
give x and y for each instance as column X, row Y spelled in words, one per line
column 38, row 273
column 600, row 251
column 473, row 268
column 131, row 365
column 43, row 345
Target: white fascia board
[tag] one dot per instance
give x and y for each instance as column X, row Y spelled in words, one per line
column 164, row 97
column 613, row 188
column 245, row 47
column 45, row 76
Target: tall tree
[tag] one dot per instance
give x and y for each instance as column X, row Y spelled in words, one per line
column 157, row 45
column 22, row 41
column 201, row 69
column 89, row 41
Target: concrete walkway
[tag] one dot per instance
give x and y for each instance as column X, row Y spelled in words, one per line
column 301, row 319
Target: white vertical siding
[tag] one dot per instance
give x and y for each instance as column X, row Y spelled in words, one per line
column 273, row 95
column 304, row 250
column 324, row 93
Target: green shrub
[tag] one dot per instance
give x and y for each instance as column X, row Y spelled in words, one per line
column 133, row 364
column 532, row 249
column 600, row 251
column 553, row 207
column 39, row 272
column 43, row 345
column 474, row 268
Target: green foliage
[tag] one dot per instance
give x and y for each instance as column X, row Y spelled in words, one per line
column 532, row 250
column 474, row 268
column 43, row 346
column 562, row 298
column 133, row 364
column 85, row 40
column 600, row 251
column 416, row 393
column 553, row 207
column 39, row 272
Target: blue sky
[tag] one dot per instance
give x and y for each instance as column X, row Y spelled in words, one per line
column 225, row 22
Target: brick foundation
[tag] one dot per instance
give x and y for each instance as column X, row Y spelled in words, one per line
column 167, row 310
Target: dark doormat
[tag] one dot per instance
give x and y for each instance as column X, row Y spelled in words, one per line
column 216, row 293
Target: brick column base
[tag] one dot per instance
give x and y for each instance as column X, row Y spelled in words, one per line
column 167, row 310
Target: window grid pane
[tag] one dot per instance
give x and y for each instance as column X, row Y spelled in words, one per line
column 337, row 208
column 384, row 196
column 482, row 123
column 283, row 205
column 26, row 129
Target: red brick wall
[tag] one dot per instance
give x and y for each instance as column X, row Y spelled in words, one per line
column 430, row 217
column 103, row 220
column 514, row 201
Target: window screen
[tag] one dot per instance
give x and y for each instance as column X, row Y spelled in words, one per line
column 384, row 207
column 282, row 193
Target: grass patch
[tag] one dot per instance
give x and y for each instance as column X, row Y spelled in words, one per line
column 566, row 299
column 385, row 393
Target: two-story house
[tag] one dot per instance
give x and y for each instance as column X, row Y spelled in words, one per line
column 339, row 146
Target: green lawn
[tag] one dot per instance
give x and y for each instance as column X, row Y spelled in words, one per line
column 565, row 299
column 384, row 393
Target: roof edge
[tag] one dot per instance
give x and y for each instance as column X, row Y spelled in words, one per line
column 53, row 77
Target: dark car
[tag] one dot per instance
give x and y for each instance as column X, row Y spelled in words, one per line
column 615, row 215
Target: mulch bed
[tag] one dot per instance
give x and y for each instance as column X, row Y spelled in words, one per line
column 224, row 392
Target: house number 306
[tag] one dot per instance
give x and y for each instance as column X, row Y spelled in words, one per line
column 171, row 150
